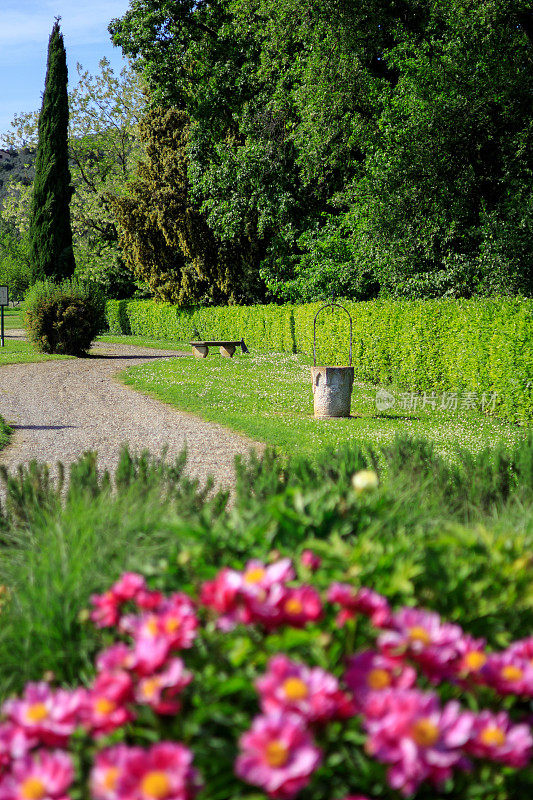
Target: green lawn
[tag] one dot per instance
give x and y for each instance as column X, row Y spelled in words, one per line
column 12, row 318
column 17, row 351
column 268, row 396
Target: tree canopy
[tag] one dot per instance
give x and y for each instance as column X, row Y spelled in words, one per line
column 348, row 147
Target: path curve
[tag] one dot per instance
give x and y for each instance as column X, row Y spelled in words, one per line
column 59, row 409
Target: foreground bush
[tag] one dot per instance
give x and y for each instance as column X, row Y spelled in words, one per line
column 455, row 540
column 64, row 318
column 483, row 347
column 271, row 681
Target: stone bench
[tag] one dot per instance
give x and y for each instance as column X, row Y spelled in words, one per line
column 227, row 348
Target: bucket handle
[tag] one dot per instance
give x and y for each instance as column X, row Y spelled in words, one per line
column 331, row 305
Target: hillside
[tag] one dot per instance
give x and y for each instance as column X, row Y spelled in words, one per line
column 16, row 165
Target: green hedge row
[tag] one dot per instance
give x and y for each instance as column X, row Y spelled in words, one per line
column 481, row 346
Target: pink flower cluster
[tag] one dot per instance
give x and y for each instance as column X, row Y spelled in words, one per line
column 162, row 772
column 421, row 740
column 130, row 588
column 443, row 651
column 34, row 764
column 363, row 601
column 147, row 671
column 278, row 753
column 408, row 730
column 260, row 595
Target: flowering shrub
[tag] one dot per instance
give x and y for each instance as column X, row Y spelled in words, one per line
column 262, row 685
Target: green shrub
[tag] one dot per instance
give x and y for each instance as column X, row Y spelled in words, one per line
column 64, row 318
column 5, row 432
column 458, row 540
column 58, row 546
column 482, row 346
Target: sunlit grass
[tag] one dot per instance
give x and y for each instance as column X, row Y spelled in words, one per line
column 12, row 318
column 268, row 396
column 17, row 351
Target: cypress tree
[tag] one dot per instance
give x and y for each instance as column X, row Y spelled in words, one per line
column 50, row 230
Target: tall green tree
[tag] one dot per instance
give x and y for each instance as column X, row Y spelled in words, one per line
column 50, row 233
column 165, row 238
column 104, row 112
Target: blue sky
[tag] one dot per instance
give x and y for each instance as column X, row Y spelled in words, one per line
column 25, row 26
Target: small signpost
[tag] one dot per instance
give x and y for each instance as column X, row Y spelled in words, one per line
column 4, row 301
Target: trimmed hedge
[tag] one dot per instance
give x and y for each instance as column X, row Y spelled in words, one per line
column 425, row 345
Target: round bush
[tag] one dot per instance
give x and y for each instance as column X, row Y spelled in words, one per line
column 65, row 317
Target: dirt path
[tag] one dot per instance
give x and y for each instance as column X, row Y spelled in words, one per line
column 59, row 409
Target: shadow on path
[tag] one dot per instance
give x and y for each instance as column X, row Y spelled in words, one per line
column 41, row 427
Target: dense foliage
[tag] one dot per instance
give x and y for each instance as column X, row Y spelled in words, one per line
column 166, row 241
column 50, row 233
column 200, row 674
column 15, row 265
column 67, row 540
column 480, row 346
column 360, row 148
column 64, row 317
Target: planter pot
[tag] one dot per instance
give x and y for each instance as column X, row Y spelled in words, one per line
column 332, row 390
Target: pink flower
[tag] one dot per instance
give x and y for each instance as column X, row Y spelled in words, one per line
column 471, row 659
column 523, row 648
column 49, row 717
column 222, row 595
column 156, row 634
column 105, row 708
column 364, row 601
column 6, row 733
column 370, row 672
column 39, row 776
column 148, row 600
column 309, row 692
column 278, row 755
column 299, row 606
column 435, row 645
column 117, row 657
column 247, row 597
column 494, row 737
column 106, row 609
column 130, row 588
column 258, row 578
column 159, row 691
column 109, row 765
column 150, row 654
column 164, row 772
column 509, row 673
column 14, row 743
column 178, row 621
column 419, row 740
column 310, row 560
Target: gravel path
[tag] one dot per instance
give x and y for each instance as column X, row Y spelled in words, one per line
column 59, row 409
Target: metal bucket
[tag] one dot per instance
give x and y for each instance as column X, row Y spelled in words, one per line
column 332, row 386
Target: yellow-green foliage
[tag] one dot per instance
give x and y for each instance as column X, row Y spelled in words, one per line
column 432, row 345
